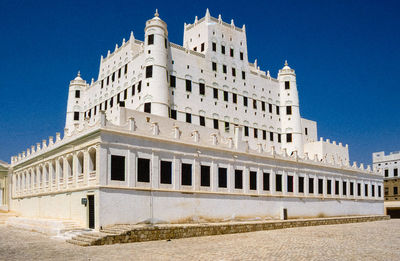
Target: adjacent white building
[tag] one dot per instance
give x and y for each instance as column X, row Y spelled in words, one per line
column 388, row 164
column 172, row 133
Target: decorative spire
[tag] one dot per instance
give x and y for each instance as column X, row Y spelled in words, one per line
column 156, row 13
column 116, row 47
column 79, row 74
column 123, row 41
column 232, row 23
column 132, row 36
column 219, row 18
column 195, row 19
column 207, row 13
column 286, row 64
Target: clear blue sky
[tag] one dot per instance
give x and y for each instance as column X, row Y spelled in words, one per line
column 345, row 53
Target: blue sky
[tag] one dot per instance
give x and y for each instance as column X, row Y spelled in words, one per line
column 345, row 53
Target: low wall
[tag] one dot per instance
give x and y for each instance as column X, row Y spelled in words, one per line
column 165, row 232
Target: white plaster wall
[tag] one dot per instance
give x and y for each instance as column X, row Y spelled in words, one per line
column 388, row 162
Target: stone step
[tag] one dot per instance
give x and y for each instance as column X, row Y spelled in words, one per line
column 77, row 242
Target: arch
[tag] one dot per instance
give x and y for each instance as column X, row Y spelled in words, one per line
column 53, row 171
column 215, row 116
column 92, row 159
column 60, row 169
column 46, row 172
column 80, row 163
column 188, row 77
column 202, row 113
column 188, row 110
column 69, row 166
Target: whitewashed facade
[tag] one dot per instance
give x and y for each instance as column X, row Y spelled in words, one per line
column 172, row 133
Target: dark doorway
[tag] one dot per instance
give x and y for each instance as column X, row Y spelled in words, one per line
column 393, row 212
column 91, row 210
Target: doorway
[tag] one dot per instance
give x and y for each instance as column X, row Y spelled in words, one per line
column 91, row 211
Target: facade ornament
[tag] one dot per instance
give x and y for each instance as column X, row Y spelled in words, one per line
column 156, row 13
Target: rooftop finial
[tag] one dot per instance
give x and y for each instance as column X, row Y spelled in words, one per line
column 207, row 13
column 131, row 36
column 156, row 13
column 286, row 64
column 79, row 74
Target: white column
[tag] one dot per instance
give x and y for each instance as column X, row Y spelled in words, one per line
column 296, row 183
column 284, row 183
column 306, row 184
column 246, row 180
column 155, row 170
column 131, row 169
column 272, row 182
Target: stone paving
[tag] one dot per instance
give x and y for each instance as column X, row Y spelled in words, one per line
column 379, row 240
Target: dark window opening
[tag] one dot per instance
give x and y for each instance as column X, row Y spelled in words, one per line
column 188, row 118
column 232, row 52
column 263, row 106
column 287, row 85
column 172, row 81
column 289, row 137
column 336, row 187
column 202, row 47
column 149, row 71
column 117, row 167
column 225, row 96
column 328, row 187
column 215, row 121
column 246, row 131
column 224, row 68
column 188, row 85
column 279, row 138
column 271, row 136
column 143, row 170
column 222, row 177
column 233, row 72
column 265, row 181
column 254, row 104
column 359, row 189
column 301, row 184
column 366, row 190
column 186, row 174
column 222, row 49
column 226, row 126
column 139, row 87
column 288, row 110
column 238, row 179
column 351, row 188
column 278, row 182
column 234, row 98
column 255, row 133
column 150, row 39
column 77, row 94
column 270, row 108
column 244, row 101
column 173, row 114
column 166, row 172
column 76, row 116
column 243, row 75
column 215, row 92
column 241, row 56
column 202, row 89
column 202, row 121
column 214, row 66
column 205, row 176
column 320, row 186
column 214, row 47
column 119, row 73
column 344, row 188
column 311, row 185
column 253, row 180
column 264, row 134
column 277, row 110
column 147, row 107
column 133, row 90
column 289, row 183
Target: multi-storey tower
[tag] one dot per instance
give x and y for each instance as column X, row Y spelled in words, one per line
column 74, row 105
column 289, row 102
column 155, row 89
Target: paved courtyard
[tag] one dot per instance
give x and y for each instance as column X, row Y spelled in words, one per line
column 378, row 240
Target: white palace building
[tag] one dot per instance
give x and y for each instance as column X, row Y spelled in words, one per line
column 172, row 133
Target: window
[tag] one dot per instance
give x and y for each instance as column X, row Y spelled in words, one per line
column 222, row 178
column 232, row 52
column 214, row 47
column 126, row 69
column 386, row 172
column 238, row 179
column 226, row 126
column 271, row 136
column 265, row 181
column 336, row 187
column 359, row 189
column 241, row 56
column 188, row 118
column 255, row 133
column 289, row 137
column 143, row 170
column 243, row 75
column 306, row 131
column 289, row 183
column 278, row 182
column 222, row 49
column 186, row 174
column 351, row 188
column 147, row 107
column 113, row 77
column 254, row 104
column 133, row 90
column 246, row 131
column 366, row 190
column 253, row 180
column 224, row 68
column 150, row 39
column 233, row 72
column 288, row 110
column 202, row 89
column 102, row 83
column 205, row 176
column 234, row 98
column 125, row 94
column 270, row 108
column 320, row 186
column 76, row 116
column 202, row 47
column 287, row 85
column 214, row 66
column 166, row 172
column 172, row 81
column 165, row 43
column 108, row 80
column 225, row 96
column 215, row 91
column 173, row 114
column 277, row 110
column 264, row 134
column 301, row 184
column 344, row 188
column 379, row 191
column 245, row 101
column 139, row 87
column 263, row 106
column 373, row 191
column 395, row 172
column 311, row 185
column 202, row 121
column 215, row 121
column 117, row 167
column 77, row 94
column 328, row 187
column 188, row 85
column 119, row 73
column 279, row 138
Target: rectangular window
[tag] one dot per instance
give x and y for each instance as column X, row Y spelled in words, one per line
column 336, row 187
column 202, row 47
column 287, row 85
column 395, row 172
column 226, row 126
column 102, row 83
column 222, row 177
column 215, row 92
column 289, row 137
column 263, row 106
column 301, row 184
column 224, row 68
column 133, row 90
column 125, row 94
column 172, row 81
column 311, row 185
column 77, row 94
column 279, row 138
column 386, row 172
column 166, row 172
column 270, row 108
column 264, row 134
column 76, row 116
column 306, row 131
column 165, row 43
column 359, row 189
column 222, row 49
column 150, row 39
column 254, row 104
column 246, row 131
column 214, row 47
column 126, row 69
column 271, row 136
column 108, row 80
column 233, row 72
column 119, row 73
column 173, row 114
column 186, row 174
column 139, row 87
column 205, row 176
column 143, row 170
column 277, row 110
column 373, row 191
column 188, row 85
column 344, row 188
column 225, row 96
column 288, row 110
column 320, row 186
column 328, row 187
column 351, row 188
column 245, row 101
column 118, row 97
column 202, row 121
column 214, row 66
column 278, row 182
column 234, row 98
column 215, row 121
column 255, row 133
column 232, row 52
column 241, row 56
column 289, row 183
column 366, row 190
column 105, row 105
column 253, row 180
column 395, row 190
column 202, row 89
column 117, row 167
column 147, row 107
column 113, row 77
column 238, row 179
column 243, row 75
column 265, row 181
column 188, row 118
column 379, row 191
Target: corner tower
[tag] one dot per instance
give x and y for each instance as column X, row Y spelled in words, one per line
column 155, row 90
column 74, row 104
column 291, row 120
